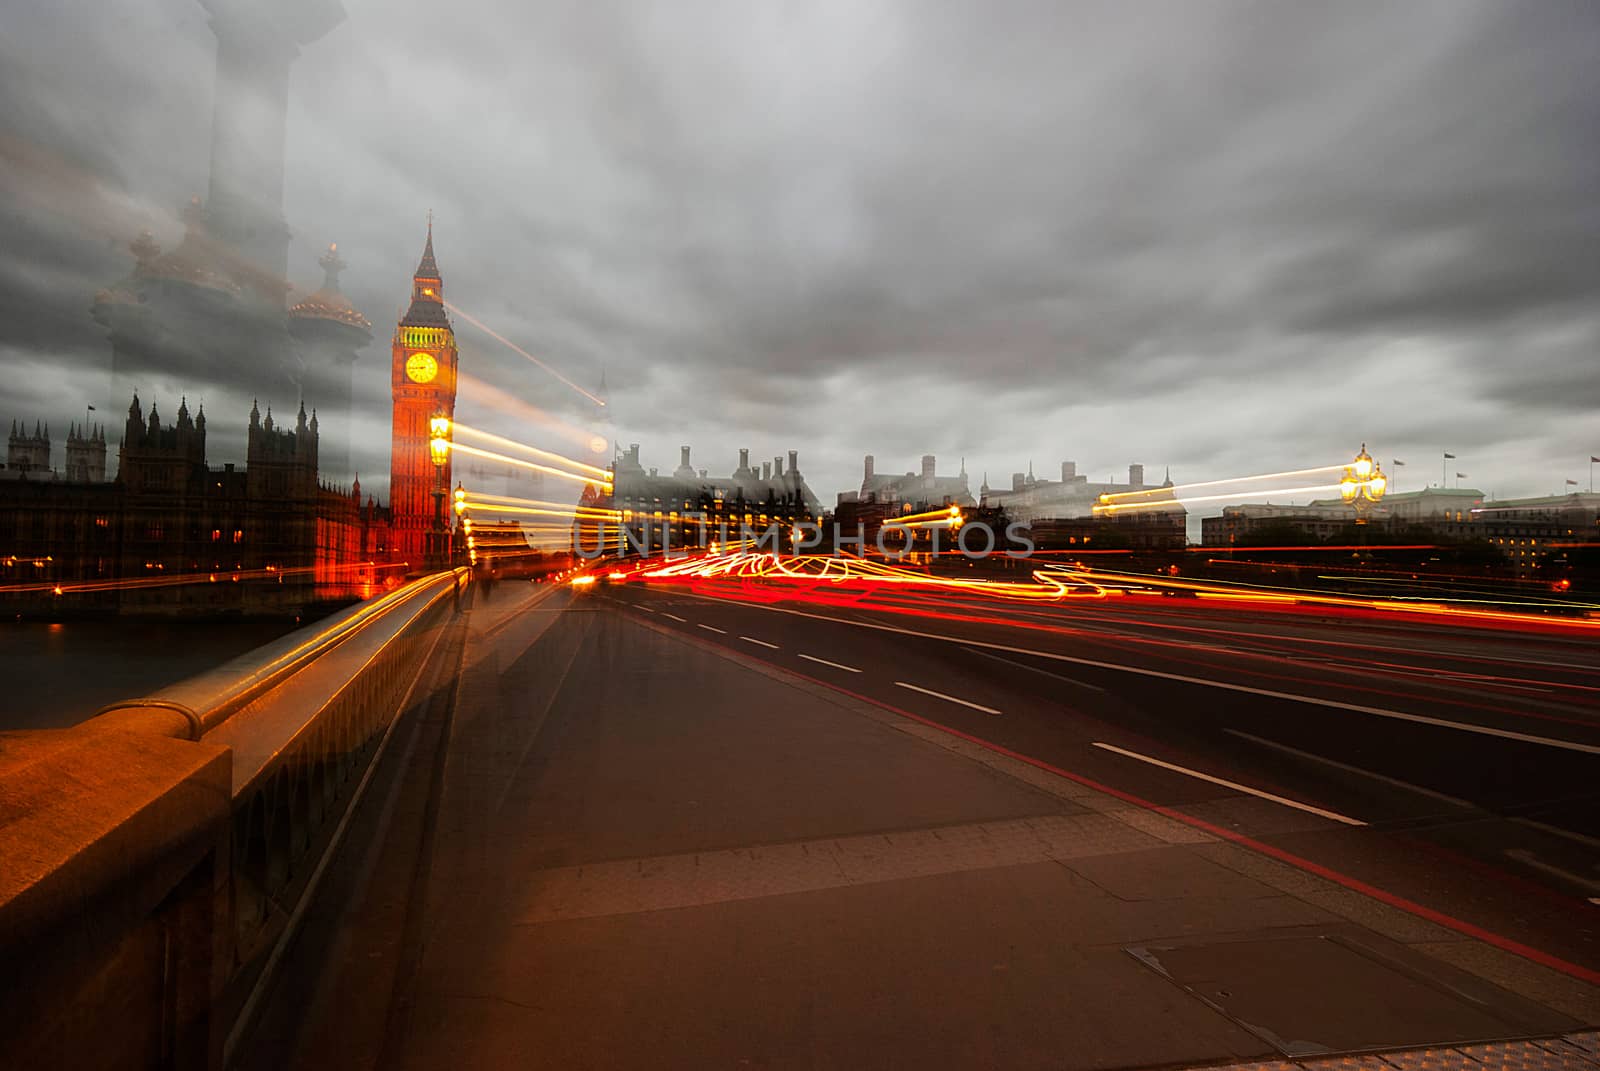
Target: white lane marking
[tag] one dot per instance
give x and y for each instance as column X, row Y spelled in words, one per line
column 825, row 662
column 1527, row 858
column 1033, row 669
column 1331, row 704
column 1558, row 831
column 675, row 617
column 1395, row 781
column 713, row 628
column 646, row 609
column 1296, row 804
column 760, row 643
column 947, row 698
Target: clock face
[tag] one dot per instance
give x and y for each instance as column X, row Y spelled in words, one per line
column 421, row 367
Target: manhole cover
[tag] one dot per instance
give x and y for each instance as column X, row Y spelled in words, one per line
column 1309, row 995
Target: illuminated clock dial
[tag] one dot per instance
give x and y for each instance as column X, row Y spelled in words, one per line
column 421, row 367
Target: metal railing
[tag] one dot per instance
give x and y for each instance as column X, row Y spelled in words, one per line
column 296, row 724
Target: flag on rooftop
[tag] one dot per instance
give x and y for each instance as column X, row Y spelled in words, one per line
column 1452, row 457
column 1397, row 462
column 1461, row 475
column 1574, row 483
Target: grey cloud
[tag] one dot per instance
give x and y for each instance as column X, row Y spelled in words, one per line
column 892, row 228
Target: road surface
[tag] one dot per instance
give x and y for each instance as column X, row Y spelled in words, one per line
column 742, row 824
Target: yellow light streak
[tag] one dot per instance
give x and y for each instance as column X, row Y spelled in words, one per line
column 1165, row 503
column 1112, row 497
column 943, row 513
column 512, row 500
column 493, row 456
column 501, row 440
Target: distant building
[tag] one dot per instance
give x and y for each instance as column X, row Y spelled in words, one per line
column 1439, row 508
column 169, row 534
column 1527, row 531
column 693, row 507
column 921, row 491
column 1030, row 498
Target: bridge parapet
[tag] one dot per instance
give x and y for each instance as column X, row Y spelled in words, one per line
column 155, row 854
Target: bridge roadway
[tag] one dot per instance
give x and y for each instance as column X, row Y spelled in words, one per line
column 711, row 825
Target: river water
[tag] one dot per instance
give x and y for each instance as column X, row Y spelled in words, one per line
column 55, row 674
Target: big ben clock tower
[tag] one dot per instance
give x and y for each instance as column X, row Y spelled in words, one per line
column 423, row 375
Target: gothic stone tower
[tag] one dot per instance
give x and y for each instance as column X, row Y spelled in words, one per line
column 423, row 378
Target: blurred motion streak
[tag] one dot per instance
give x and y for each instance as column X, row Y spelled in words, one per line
column 512, row 444
column 1117, row 496
column 492, row 333
column 492, row 455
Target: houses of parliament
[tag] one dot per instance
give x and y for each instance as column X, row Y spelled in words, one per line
column 167, row 531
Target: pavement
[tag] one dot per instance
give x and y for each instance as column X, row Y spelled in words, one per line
column 692, row 826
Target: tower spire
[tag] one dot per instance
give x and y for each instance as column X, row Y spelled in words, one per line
column 428, row 268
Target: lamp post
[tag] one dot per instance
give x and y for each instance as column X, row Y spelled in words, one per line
column 1363, row 486
column 439, row 452
column 459, row 504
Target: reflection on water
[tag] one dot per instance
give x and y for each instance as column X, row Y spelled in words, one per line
column 58, row 673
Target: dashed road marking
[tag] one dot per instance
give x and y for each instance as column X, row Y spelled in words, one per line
column 1347, row 768
column 1236, row 786
column 1034, row 669
column 825, row 662
column 762, row 643
column 947, row 698
column 675, row 617
column 1182, row 678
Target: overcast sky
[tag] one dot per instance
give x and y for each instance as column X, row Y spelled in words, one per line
column 1225, row 237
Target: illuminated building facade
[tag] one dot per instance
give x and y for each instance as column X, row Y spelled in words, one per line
column 423, row 369
column 689, row 508
column 171, row 535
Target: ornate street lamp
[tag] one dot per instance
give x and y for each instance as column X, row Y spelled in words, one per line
column 1363, row 486
column 439, row 453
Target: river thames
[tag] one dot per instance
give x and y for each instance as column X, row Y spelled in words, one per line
column 58, row 673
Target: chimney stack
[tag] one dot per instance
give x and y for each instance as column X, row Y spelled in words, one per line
column 684, row 471
column 869, row 467
column 744, row 458
column 794, row 462
column 777, row 468
column 766, row 470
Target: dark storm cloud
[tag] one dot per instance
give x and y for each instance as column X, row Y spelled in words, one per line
column 1109, row 232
